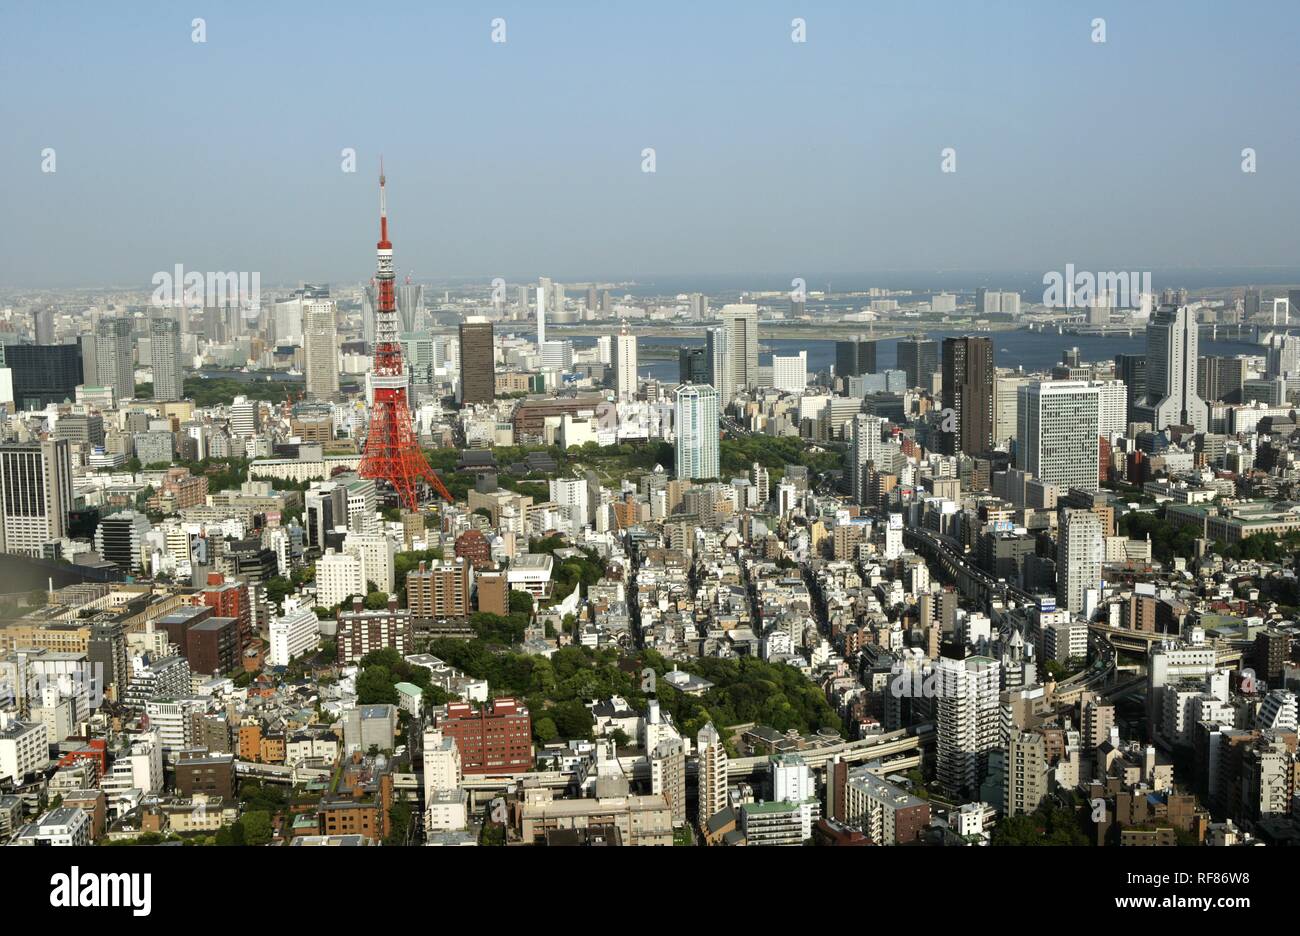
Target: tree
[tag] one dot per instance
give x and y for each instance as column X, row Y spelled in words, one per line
column 521, row 602
column 257, row 828
column 544, row 730
column 375, row 686
column 377, row 601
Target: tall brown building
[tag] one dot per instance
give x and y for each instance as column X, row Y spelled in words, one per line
column 968, row 393
column 440, row 591
column 497, row 737
column 493, row 592
column 477, row 363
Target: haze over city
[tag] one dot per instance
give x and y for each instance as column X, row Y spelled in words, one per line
column 525, row 156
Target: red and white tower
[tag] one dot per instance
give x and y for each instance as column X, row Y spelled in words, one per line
column 392, row 449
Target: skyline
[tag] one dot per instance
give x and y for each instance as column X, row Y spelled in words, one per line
column 770, row 154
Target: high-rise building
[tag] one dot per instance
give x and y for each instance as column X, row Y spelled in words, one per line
column 35, row 495
column 165, row 352
column 712, row 774
column 967, row 719
column 44, row 374
column 855, row 357
column 321, row 349
column 918, row 358
column 1058, row 439
column 1221, row 379
column 1079, row 554
column 439, row 591
column 695, row 416
column 625, row 363
column 120, row 537
column 866, row 451
column 43, row 322
column 741, row 322
column 1112, row 407
column 692, row 365
column 717, row 350
column 790, row 372
column 1171, row 393
column 477, row 361
column 1006, row 403
column 114, row 357
column 1025, row 785
column 968, row 393
column 1132, row 369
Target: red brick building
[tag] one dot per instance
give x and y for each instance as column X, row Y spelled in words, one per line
column 495, row 738
column 474, row 548
column 231, row 599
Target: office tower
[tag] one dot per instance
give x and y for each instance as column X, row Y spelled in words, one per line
column 439, row 591
column 866, row 453
column 410, row 305
column 625, row 363
column 717, row 350
column 1171, row 393
column 43, row 322
column 114, row 358
column 692, row 365
column 699, row 306
column 1132, row 369
column 1282, row 355
column 790, row 372
column 762, row 481
column 557, row 355
column 855, row 357
column 36, row 489
column 477, row 362
column 918, row 358
column 1221, row 379
column 695, row 413
column 967, row 718
column 1006, row 401
column 712, row 774
column 543, row 287
column 593, row 301
column 120, row 537
column 604, row 349
column 1112, row 407
column 1059, row 432
column 44, row 374
column 968, row 394
column 741, row 322
column 1079, row 554
column 165, row 352
column 321, row 349
column 993, row 302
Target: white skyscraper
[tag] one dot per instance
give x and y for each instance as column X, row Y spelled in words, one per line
column 543, row 288
column 741, row 322
column 321, row 349
column 790, row 372
column 866, row 448
column 717, row 351
column 712, row 798
column 165, row 353
column 1172, row 398
column 1079, row 554
column 967, row 717
column 695, row 415
column 114, row 357
column 1112, row 407
column 625, row 363
column 1058, row 439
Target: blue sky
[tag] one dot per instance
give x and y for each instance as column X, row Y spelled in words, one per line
column 525, row 157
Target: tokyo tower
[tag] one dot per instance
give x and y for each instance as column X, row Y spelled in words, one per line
column 392, row 450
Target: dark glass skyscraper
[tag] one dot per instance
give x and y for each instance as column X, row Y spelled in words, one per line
column 855, row 357
column 968, row 393
column 44, row 374
column 918, row 357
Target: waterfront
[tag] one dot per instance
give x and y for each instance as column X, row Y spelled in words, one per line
column 1026, row 350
